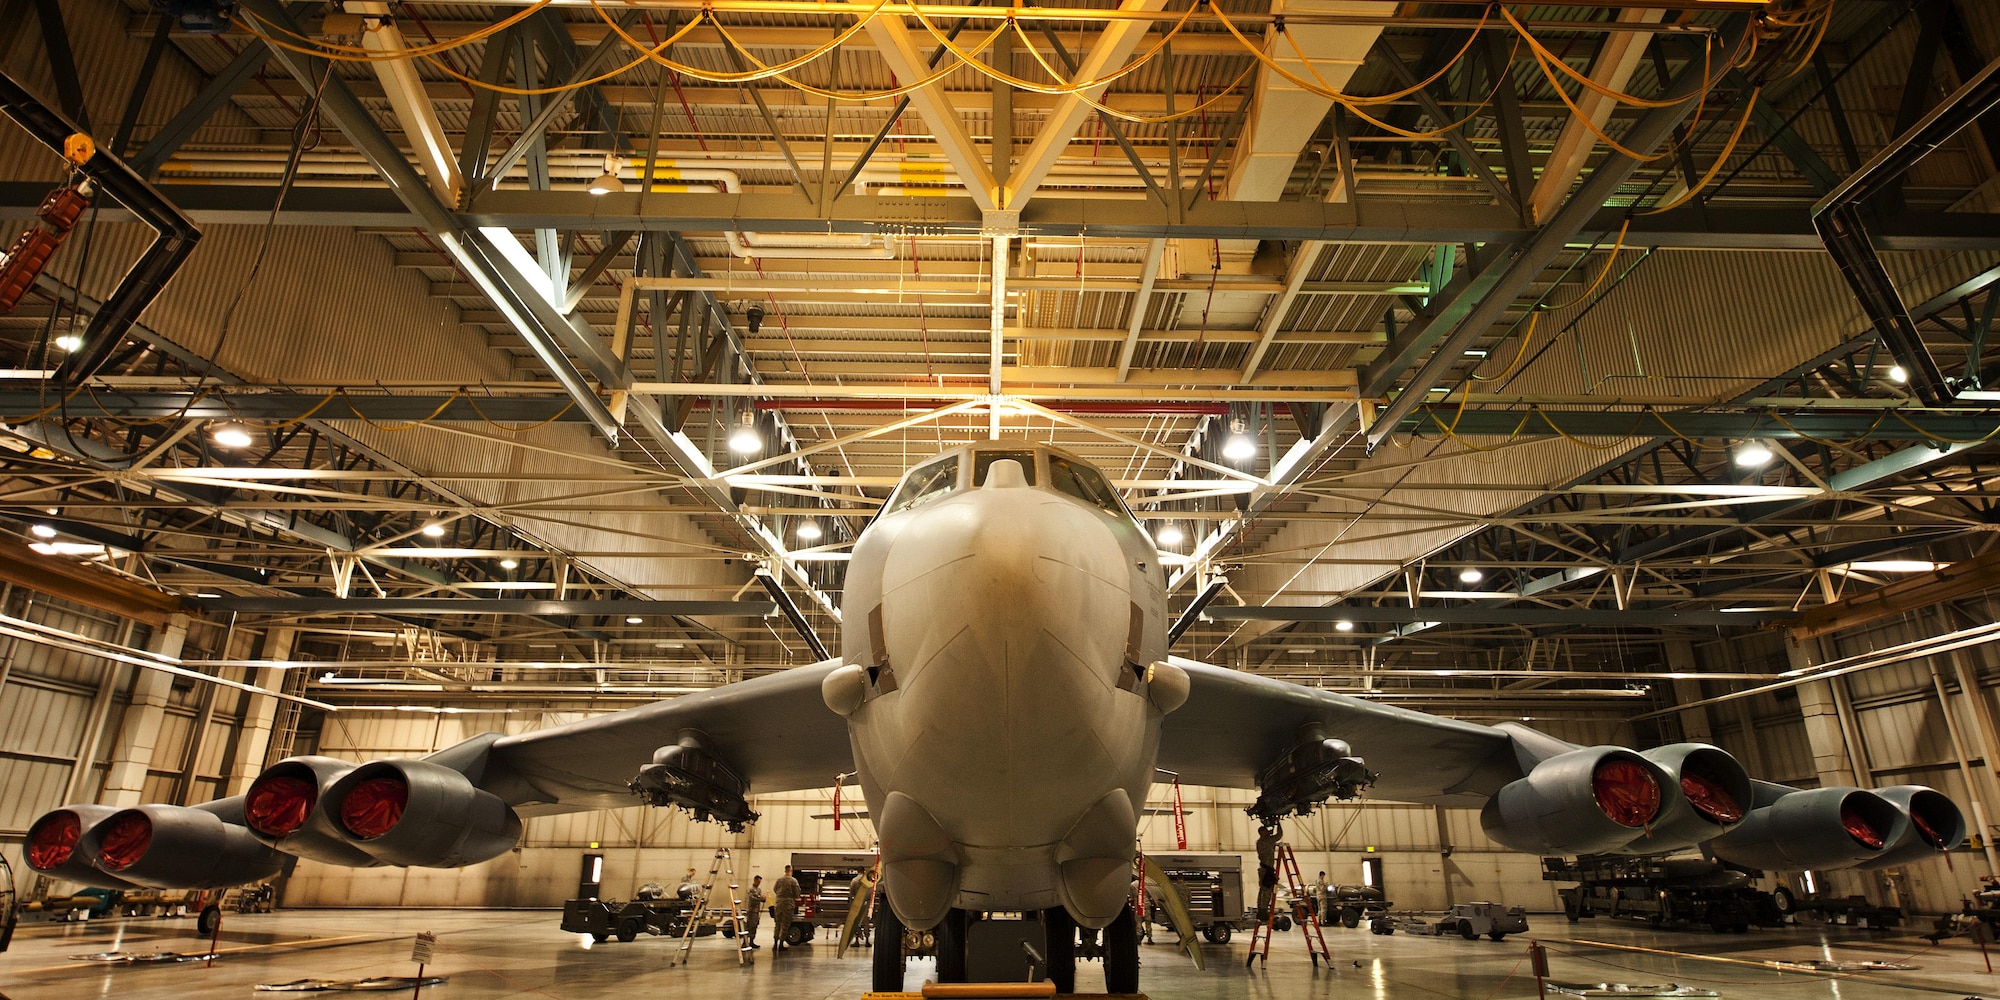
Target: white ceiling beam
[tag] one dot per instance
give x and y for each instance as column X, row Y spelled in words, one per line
column 1111, row 50
column 1613, row 68
column 415, row 113
column 899, row 50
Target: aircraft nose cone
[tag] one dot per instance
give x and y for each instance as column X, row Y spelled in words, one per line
column 1005, row 618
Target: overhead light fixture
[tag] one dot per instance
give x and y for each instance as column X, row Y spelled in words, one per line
column 745, row 440
column 1343, row 625
column 1475, row 353
column 608, row 182
column 510, row 564
column 1897, row 566
column 1752, row 453
column 809, row 530
column 1239, row 447
column 1898, row 374
column 232, row 436
column 1171, row 535
column 1470, row 575
column 69, row 342
column 634, row 620
column 42, row 531
column 67, row 548
column 435, row 529
column 667, row 645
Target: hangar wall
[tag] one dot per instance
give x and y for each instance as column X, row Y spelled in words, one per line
column 75, row 727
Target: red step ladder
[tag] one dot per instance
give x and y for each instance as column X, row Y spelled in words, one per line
column 1308, row 917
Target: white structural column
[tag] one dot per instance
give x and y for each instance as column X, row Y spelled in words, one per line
column 260, row 713
column 1695, row 725
column 1826, row 732
column 1111, row 51
column 405, row 91
column 893, row 41
column 1613, row 69
column 132, row 756
column 996, row 340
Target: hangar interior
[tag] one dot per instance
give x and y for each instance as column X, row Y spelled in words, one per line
column 1615, row 367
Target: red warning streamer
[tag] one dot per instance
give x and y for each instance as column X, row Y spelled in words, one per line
column 1180, row 819
column 836, row 799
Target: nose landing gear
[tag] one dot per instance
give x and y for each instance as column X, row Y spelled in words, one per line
column 1120, row 950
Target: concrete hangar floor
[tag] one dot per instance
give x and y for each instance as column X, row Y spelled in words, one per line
column 521, row 954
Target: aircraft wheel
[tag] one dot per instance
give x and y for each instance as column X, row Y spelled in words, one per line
column 889, row 953
column 1121, row 953
column 1060, row 930
column 951, row 947
column 628, row 930
column 209, row 920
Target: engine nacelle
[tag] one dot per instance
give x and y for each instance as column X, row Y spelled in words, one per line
column 420, row 814
column 181, row 847
column 1708, row 794
column 1588, row 801
column 1935, row 825
column 1815, row 828
column 282, row 809
column 54, row 842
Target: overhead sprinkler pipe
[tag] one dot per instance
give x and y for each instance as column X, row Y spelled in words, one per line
column 174, row 236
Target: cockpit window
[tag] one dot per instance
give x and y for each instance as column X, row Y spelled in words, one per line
column 1084, row 483
column 984, row 460
column 926, row 484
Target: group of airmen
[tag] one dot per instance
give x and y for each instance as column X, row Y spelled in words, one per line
column 783, row 903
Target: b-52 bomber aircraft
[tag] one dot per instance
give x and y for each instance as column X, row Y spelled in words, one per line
column 1005, row 692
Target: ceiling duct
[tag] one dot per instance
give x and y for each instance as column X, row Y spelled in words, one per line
column 1840, row 219
column 174, row 233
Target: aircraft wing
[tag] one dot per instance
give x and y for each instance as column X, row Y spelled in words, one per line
column 1234, row 724
column 774, row 731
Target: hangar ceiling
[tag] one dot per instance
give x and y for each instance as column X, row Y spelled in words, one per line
column 1493, row 299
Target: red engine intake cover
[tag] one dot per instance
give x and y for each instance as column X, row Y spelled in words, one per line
column 1627, row 792
column 53, row 840
column 374, row 807
column 278, row 806
column 125, row 840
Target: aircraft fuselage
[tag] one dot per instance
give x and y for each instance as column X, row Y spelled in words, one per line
column 1007, row 611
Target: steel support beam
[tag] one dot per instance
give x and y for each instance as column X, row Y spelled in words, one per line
column 1916, row 425
column 1468, row 315
column 898, row 49
column 1367, row 220
column 1107, row 53
column 555, row 104
column 478, row 606
column 185, row 122
column 1455, row 136
column 537, row 320
column 1495, row 616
